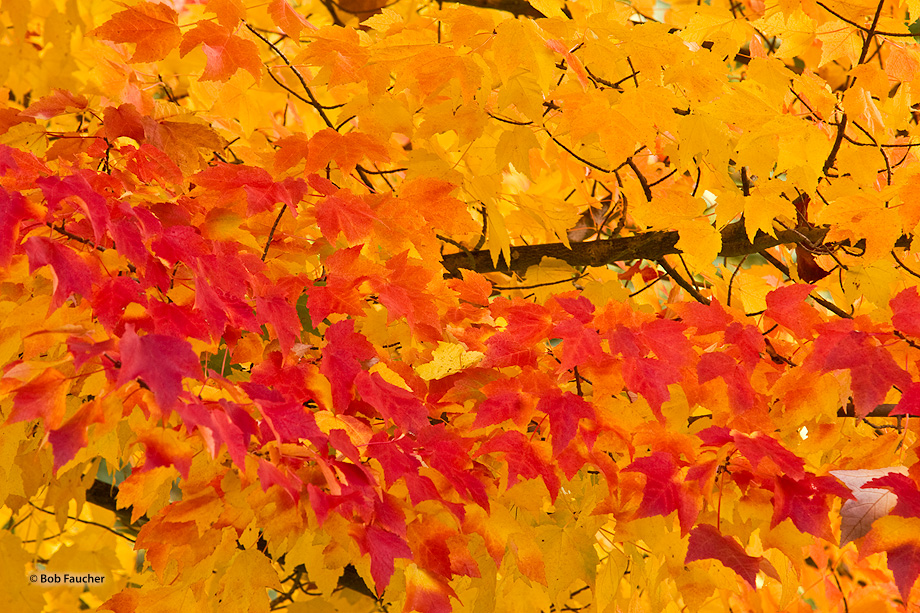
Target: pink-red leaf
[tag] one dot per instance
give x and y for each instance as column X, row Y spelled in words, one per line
column 70, row 273
column 225, row 51
column 160, row 361
column 706, row 543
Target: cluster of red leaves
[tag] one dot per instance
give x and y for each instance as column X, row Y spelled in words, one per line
column 543, row 430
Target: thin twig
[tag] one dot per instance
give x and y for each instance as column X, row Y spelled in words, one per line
column 690, row 289
column 271, row 234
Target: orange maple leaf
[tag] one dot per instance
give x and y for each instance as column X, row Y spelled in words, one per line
column 226, row 52
column 152, row 27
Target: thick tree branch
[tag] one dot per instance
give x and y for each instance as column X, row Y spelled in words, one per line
column 646, row 246
column 518, row 8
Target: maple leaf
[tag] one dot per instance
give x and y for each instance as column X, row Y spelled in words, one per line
column 69, row 273
column 766, row 455
column 872, row 369
column 226, row 52
column 898, row 538
column 289, row 20
column 805, row 502
column 346, row 213
column 719, row 364
column 42, row 397
column 93, row 205
column 384, row 547
column 152, row 26
column 525, row 459
column 164, row 448
column 13, row 210
column 394, row 403
column 343, row 354
column 498, row 407
column 274, row 307
column 160, row 361
column 663, row 492
column 564, row 411
column 905, row 308
column 707, row 543
column 707, row 319
column 426, row 592
column 270, row 475
column 346, row 150
column 229, row 12
column 404, row 294
column 869, row 503
column 904, row 488
column 786, row 306
column 56, row 103
column 71, row 436
column 150, row 164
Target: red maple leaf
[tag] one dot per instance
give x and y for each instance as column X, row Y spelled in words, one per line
column 564, row 411
column 766, row 455
column 225, row 51
column 449, row 454
column 150, row 164
column 663, row 493
column 56, row 189
column 910, row 401
column 904, row 562
column 394, row 403
column 69, row 273
column 872, row 369
column 13, row 209
column 905, row 488
column 343, row 355
column 580, row 344
column 59, row 101
column 151, row 25
column 805, row 502
column 160, row 361
column 384, row 547
column 473, row 288
column 273, row 306
column 497, row 407
column 42, row 397
column 270, row 474
column 395, row 461
column 125, row 120
column 905, row 308
column 405, row 293
column 163, row 450
column 524, row 459
column 741, row 395
column 650, row 378
column 70, row 438
column 707, row 319
column 706, row 543
column 786, row 306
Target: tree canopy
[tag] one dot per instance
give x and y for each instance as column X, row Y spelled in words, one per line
column 480, row 306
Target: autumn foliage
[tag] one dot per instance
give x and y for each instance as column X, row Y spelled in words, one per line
column 491, row 306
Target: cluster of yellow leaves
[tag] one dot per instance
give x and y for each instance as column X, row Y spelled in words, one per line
column 496, row 132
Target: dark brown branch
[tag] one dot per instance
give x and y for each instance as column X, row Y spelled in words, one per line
column 688, row 287
column 646, row 246
column 518, row 8
column 863, row 28
column 882, row 410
